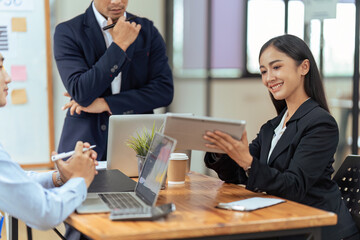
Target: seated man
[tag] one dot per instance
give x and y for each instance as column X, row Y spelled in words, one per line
column 43, row 200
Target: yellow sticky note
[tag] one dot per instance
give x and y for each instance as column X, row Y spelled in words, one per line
column 18, row 24
column 18, row 96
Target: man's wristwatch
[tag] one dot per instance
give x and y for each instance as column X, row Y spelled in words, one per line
column 58, row 180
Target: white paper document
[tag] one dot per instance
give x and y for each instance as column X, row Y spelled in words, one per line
column 250, row 204
column 102, row 165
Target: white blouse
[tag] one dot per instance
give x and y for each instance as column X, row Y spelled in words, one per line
column 279, row 130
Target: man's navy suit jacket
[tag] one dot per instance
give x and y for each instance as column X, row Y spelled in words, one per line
column 87, row 69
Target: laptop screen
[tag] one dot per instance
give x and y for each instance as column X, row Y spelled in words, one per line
column 155, row 168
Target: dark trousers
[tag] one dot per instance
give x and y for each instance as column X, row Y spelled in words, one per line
column 73, row 234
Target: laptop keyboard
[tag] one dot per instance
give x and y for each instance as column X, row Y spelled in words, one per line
column 120, row 200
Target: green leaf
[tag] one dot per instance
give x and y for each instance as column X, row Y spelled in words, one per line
column 142, row 141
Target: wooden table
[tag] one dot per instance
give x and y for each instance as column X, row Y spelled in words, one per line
column 197, row 217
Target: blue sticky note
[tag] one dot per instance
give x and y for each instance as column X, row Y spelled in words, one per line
column 1, row 222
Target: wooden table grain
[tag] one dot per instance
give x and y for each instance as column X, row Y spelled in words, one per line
column 197, row 217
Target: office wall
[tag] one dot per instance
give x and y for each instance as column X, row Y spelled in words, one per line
column 26, row 139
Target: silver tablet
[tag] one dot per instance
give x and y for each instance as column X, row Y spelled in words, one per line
column 189, row 130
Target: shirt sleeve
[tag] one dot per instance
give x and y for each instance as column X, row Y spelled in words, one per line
column 24, row 196
column 226, row 168
column 44, row 179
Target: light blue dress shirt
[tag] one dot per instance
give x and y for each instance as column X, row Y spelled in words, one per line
column 33, row 198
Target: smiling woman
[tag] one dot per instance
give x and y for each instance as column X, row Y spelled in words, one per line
column 293, row 153
column 284, row 77
column 296, row 52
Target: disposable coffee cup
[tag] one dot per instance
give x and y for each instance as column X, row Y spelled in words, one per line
column 177, row 168
column 188, row 153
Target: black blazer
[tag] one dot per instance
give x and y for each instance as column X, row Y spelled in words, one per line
column 87, row 69
column 299, row 167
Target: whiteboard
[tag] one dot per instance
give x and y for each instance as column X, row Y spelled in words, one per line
column 25, row 126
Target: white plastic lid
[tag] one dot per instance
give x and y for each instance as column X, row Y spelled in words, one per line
column 179, row 156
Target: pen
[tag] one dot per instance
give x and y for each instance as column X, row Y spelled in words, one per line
column 113, row 24
column 68, row 154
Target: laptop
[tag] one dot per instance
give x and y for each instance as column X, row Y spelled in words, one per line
column 148, row 185
column 121, row 127
column 108, row 181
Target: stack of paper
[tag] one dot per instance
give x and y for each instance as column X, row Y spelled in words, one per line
column 250, row 204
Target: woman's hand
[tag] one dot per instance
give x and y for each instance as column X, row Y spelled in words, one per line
column 238, row 150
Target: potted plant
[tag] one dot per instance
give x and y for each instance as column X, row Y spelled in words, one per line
column 141, row 142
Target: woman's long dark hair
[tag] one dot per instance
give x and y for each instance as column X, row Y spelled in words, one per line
column 297, row 49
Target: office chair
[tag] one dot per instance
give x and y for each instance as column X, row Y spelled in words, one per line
column 348, row 179
column 12, row 228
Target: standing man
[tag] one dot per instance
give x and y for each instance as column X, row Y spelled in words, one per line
column 123, row 70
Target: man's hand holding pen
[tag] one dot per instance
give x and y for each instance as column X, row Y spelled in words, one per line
column 113, row 24
column 124, row 32
column 81, row 164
